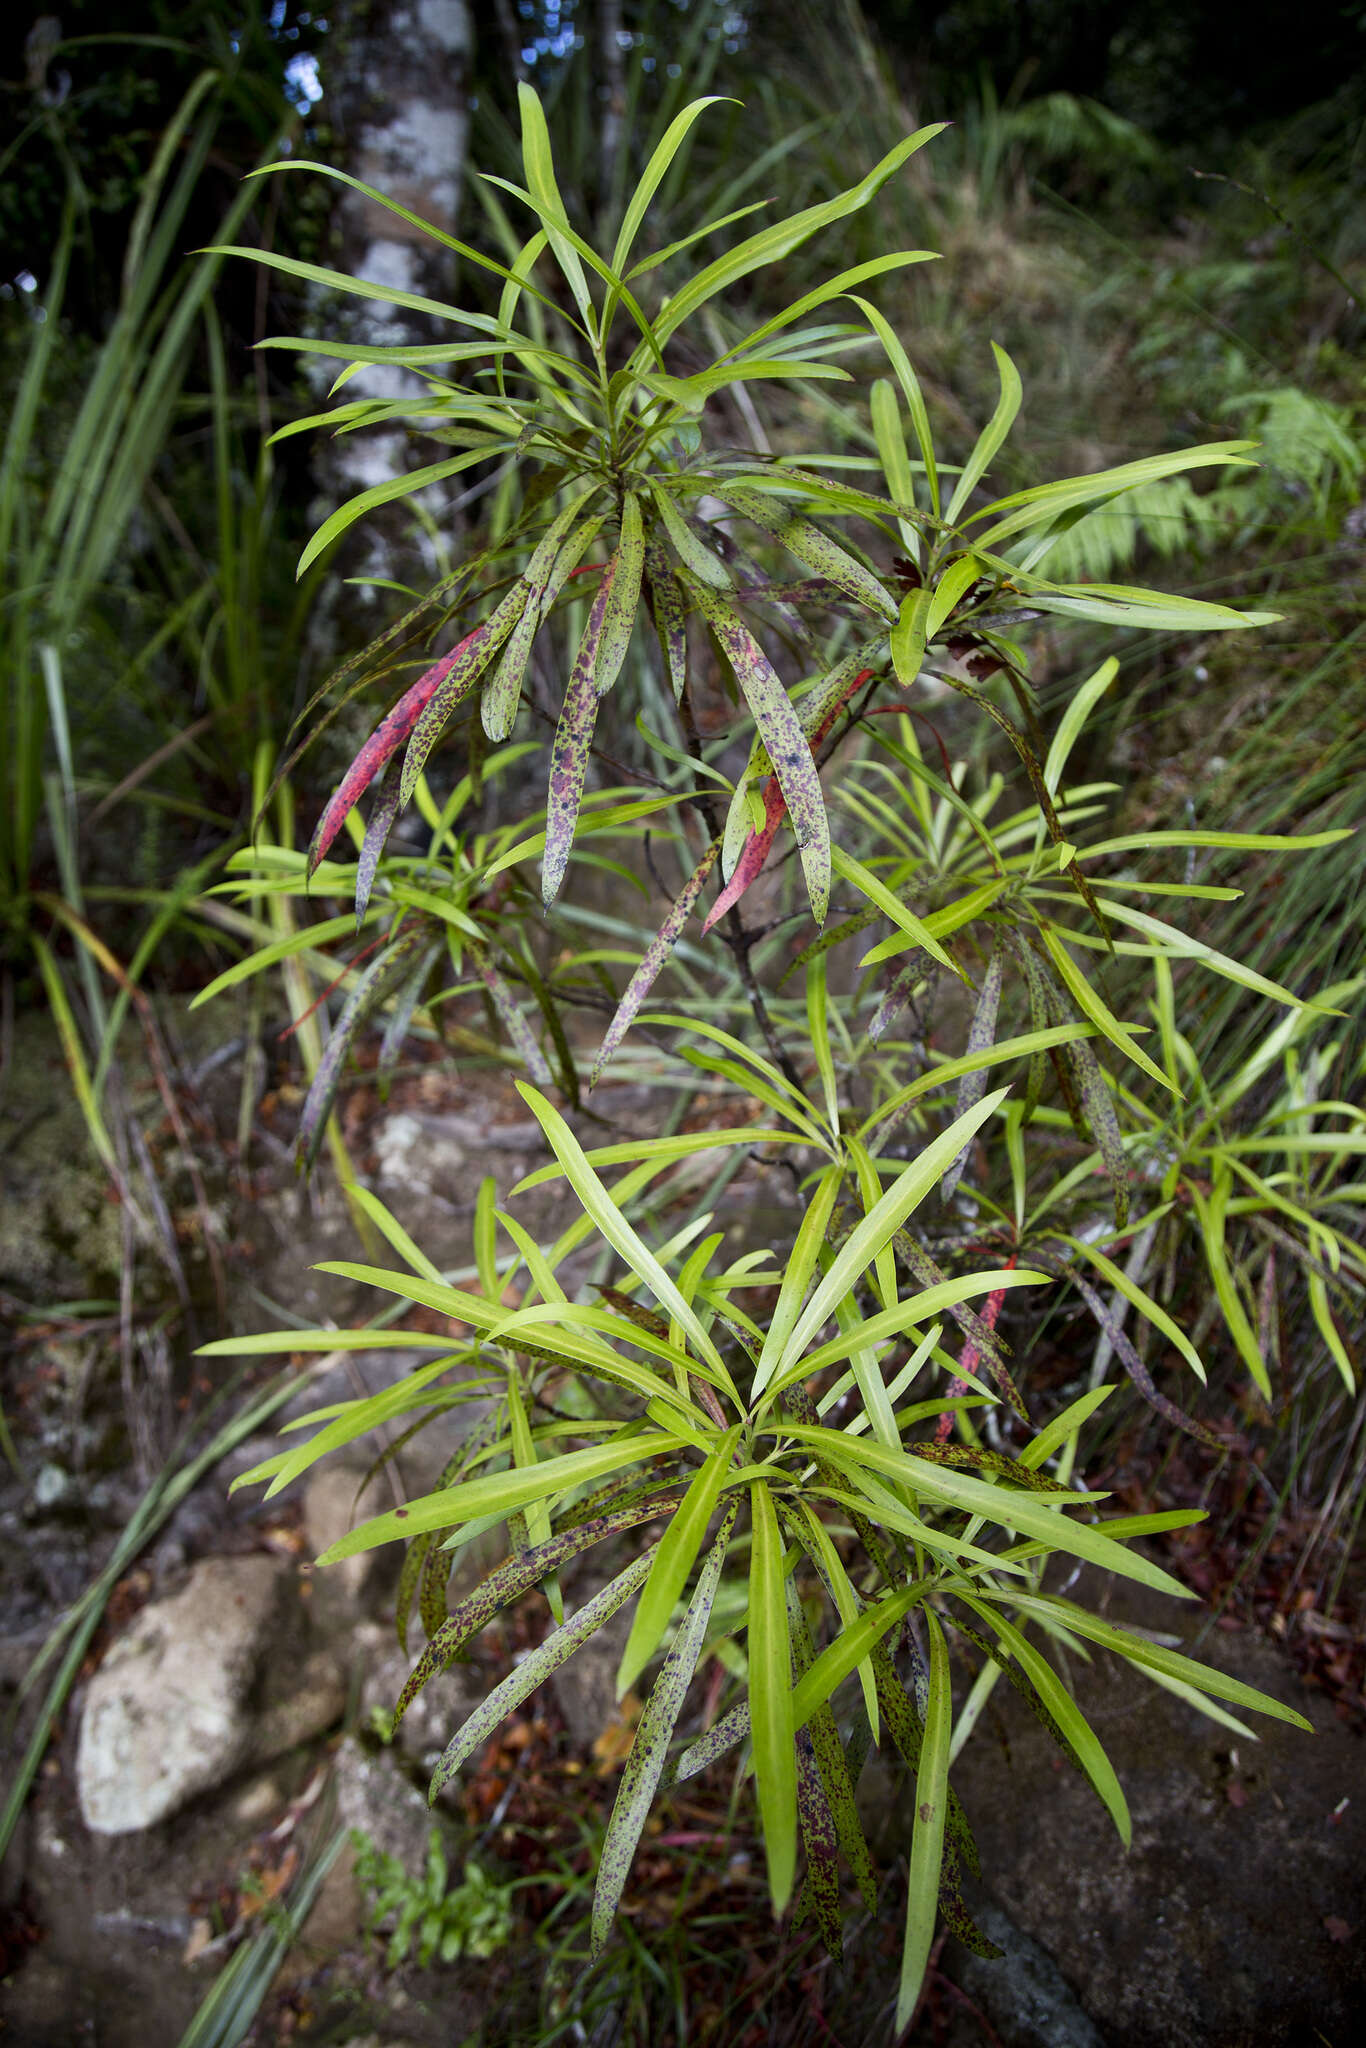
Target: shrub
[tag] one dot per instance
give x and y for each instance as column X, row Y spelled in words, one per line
column 799, row 1424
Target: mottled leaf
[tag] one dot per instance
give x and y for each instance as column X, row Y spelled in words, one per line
column 551, row 562
column 1122, row 1346
column 511, row 1017
column 377, row 832
column 456, row 684
column 1098, row 1105
column 654, row 1731
column 805, row 540
column 981, row 1034
column 558, row 1647
column 401, row 1017
column 827, row 1754
column 382, row 976
column 821, row 1885
column 573, row 741
column 666, row 605
column 789, row 750
column 623, row 596
column 653, row 961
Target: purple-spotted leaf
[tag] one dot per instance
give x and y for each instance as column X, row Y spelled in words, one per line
column 806, row 541
column 623, row 596
column 376, row 837
column 827, row 1752
column 649, row 1752
column 981, row 1035
column 379, row 979
column 401, row 1016
column 410, row 1572
column 474, row 657
column 1099, row 1106
column 821, row 1887
column 511, row 1017
column 516, row 1577
column 573, row 740
column 915, row 969
column 558, row 1647
column 653, row 960
column 780, row 732
column 666, row 605
column 732, row 1728
column 555, row 555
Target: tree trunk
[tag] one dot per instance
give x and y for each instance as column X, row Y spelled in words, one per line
column 397, row 99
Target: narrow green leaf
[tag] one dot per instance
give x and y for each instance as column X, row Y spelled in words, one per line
column 1090, row 1004
column 674, row 1560
column 992, row 435
column 770, row 1699
column 910, row 385
column 891, row 906
column 1146, row 1654
column 1073, row 720
column 706, row 566
column 501, row 1493
column 927, row 1836
column 650, row 178
column 618, row 1232
column 909, row 635
column 1005, row 1506
column 1066, row 1715
column 878, row 1227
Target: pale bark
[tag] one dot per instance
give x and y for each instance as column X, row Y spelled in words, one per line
column 397, row 102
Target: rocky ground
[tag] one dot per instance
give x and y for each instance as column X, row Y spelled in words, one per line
column 231, row 1716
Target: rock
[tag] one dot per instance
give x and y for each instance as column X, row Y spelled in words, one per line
column 419, row 1161
column 1213, row 1931
column 330, row 1510
column 312, row 1697
column 176, row 1706
column 164, row 1716
column 51, row 1486
column 1030, row 2002
column 374, row 1796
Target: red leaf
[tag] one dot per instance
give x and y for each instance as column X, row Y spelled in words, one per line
column 387, row 737
column 753, row 855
